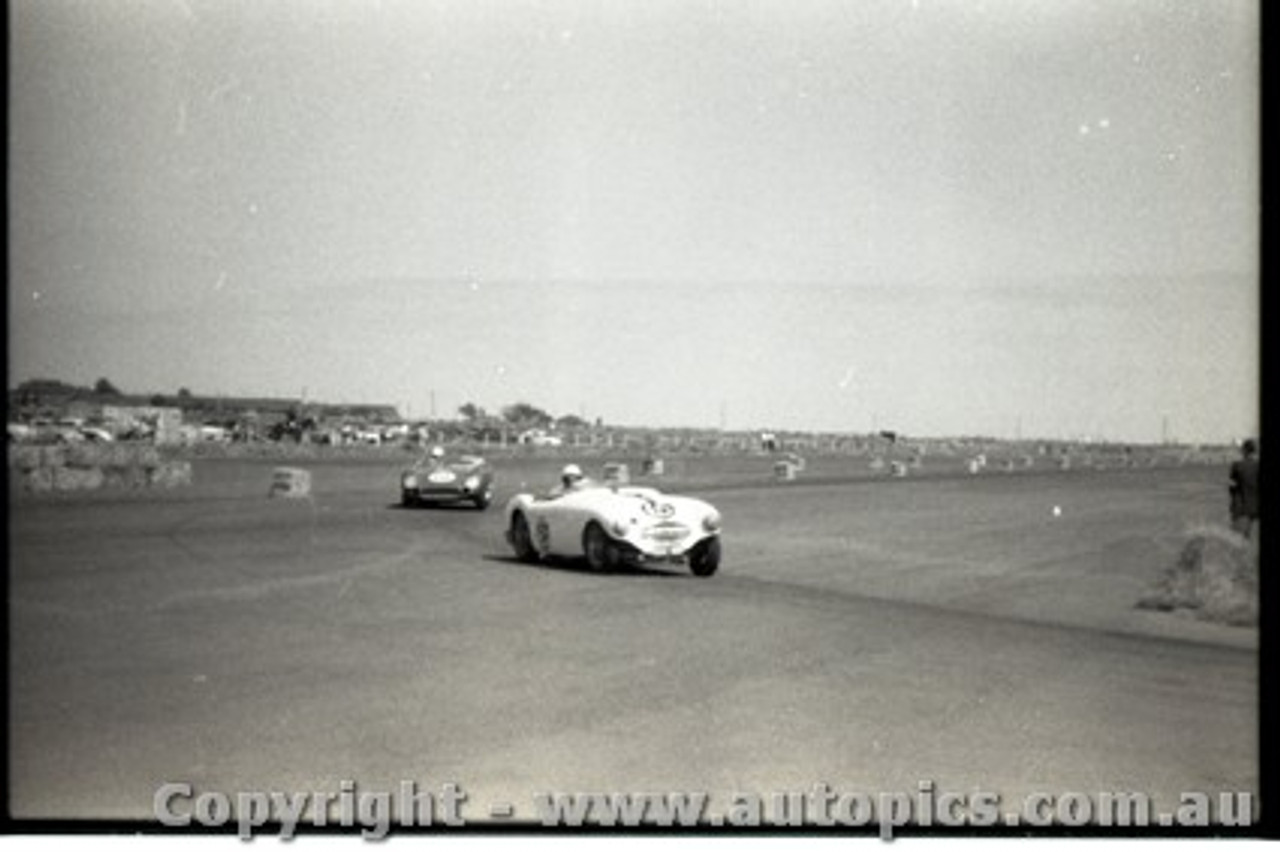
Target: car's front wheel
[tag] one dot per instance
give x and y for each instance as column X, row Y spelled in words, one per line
column 408, row 499
column 483, row 499
column 521, row 543
column 601, row 552
column 705, row 557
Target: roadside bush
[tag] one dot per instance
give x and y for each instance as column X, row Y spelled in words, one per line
column 37, row 480
column 83, row 467
column 76, row 478
column 23, row 457
column 124, row 476
column 1216, row 577
column 32, row 456
column 112, row 455
column 170, row 474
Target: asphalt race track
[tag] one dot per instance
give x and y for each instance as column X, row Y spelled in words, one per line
column 868, row 635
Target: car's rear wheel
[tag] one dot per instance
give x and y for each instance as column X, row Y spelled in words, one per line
column 704, row 559
column 521, row 543
column 601, row 552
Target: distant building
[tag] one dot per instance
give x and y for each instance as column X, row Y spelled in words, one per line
column 165, row 413
column 364, row 413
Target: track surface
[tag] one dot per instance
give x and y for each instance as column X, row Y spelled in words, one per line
column 864, row 635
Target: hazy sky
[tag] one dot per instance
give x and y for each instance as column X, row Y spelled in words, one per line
column 950, row 217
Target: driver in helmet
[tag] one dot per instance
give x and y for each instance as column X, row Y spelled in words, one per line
column 435, row 457
column 571, row 479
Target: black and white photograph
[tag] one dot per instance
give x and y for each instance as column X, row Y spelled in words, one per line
column 729, row 417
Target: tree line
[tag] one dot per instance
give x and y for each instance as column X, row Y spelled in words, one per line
column 523, row 415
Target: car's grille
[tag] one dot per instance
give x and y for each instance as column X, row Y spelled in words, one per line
column 667, row 532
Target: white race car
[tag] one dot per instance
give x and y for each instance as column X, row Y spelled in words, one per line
column 613, row 525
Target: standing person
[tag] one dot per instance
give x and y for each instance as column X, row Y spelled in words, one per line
column 1244, row 489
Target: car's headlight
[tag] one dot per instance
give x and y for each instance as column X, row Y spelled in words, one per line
column 409, row 481
column 711, row 523
column 472, row 483
column 620, row 527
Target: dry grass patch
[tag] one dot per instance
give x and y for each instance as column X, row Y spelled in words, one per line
column 1215, row 577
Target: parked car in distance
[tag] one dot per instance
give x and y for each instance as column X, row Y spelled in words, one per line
column 539, row 438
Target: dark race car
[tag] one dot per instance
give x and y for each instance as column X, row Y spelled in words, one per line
column 433, row 480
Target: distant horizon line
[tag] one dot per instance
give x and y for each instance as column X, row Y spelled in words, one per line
column 198, row 398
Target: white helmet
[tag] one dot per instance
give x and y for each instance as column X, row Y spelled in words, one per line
column 571, row 473
column 437, row 452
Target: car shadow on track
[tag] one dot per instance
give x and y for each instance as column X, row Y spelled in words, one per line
column 579, row 566
column 436, row 507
